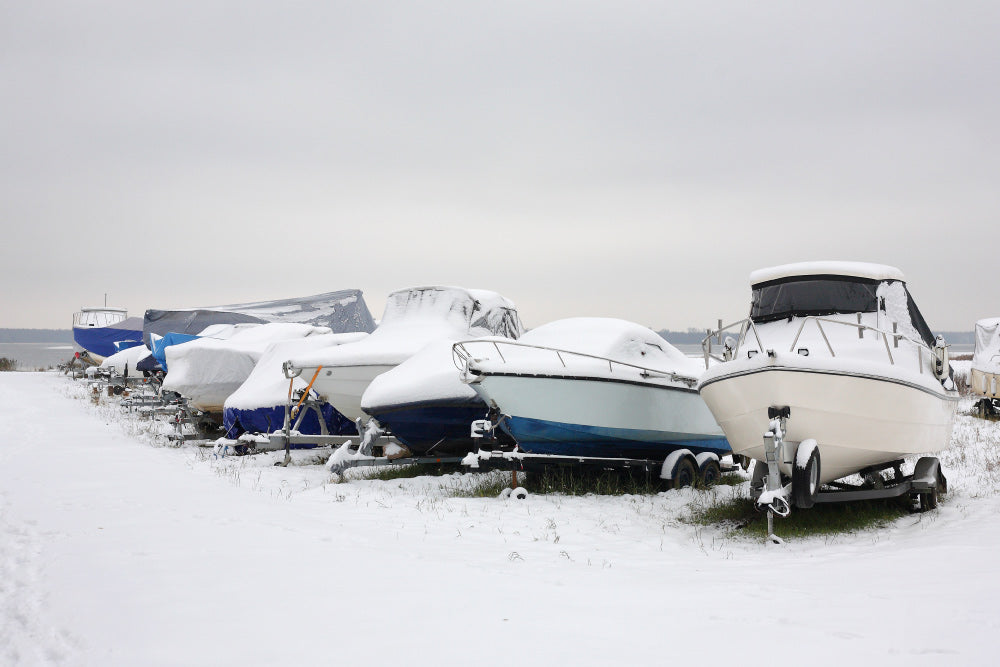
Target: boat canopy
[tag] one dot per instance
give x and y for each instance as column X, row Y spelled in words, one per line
column 343, row 312
column 876, row 272
column 827, row 288
column 987, row 355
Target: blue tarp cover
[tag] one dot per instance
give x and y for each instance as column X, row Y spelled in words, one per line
column 160, row 346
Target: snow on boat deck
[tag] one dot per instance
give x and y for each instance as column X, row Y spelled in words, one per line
column 114, row 551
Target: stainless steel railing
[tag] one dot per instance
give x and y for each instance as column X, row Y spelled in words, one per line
column 463, row 357
column 747, row 326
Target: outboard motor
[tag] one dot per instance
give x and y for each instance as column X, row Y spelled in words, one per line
column 942, row 367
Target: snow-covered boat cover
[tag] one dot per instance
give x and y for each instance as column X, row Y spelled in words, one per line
column 429, row 375
column 600, row 337
column 342, row 312
column 987, row 355
column 207, row 370
column 415, row 317
column 258, row 404
column 129, row 357
column 827, row 268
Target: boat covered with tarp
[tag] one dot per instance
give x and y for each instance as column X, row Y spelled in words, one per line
column 343, row 311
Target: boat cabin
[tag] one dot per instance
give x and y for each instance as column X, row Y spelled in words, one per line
column 828, row 288
column 102, row 316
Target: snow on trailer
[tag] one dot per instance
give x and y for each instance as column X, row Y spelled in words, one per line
column 984, row 375
column 680, row 469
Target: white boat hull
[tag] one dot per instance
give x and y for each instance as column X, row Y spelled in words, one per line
column 343, row 386
column 858, row 420
column 562, row 415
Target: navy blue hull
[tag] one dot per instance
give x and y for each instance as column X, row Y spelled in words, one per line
column 536, row 436
column 101, row 340
column 440, row 427
column 268, row 420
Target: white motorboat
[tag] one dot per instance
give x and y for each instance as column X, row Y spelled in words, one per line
column 424, row 403
column 984, row 376
column 595, row 387
column 834, row 372
column 413, row 318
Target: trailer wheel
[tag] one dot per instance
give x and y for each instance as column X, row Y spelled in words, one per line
column 684, row 473
column 805, row 474
column 929, row 500
column 709, row 473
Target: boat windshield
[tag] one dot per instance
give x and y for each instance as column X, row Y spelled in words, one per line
column 813, row 295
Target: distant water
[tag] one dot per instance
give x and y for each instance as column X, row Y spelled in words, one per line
column 31, row 356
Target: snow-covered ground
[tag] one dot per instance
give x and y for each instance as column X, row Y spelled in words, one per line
column 117, row 550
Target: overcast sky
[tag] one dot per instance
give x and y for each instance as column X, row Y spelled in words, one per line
column 626, row 159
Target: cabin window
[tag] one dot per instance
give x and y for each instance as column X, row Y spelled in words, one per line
column 815, row 295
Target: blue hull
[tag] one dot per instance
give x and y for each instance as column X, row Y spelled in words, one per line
column 101, row 340
column 537, row 436
column 439, row 427
column 268, row 420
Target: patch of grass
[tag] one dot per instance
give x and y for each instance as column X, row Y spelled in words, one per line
column 579, row 482
column 483, row 485
column 409, row 471
column 7, row 364
column 740, row 513
column 731, row 479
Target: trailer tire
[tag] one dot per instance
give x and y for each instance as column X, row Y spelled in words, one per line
column 805, row 474
column 685, row 473
column 929, row 500
column 709, row 472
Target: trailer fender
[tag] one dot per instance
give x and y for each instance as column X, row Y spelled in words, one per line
column 927, row 475
column 709, row 469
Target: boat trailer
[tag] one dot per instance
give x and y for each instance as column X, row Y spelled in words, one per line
column 774, row 492
column 679, row 469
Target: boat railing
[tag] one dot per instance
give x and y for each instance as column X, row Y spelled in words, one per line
column 463, row 356
column 747, row 325
column 730, row 348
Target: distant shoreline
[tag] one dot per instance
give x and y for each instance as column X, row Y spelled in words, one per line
column 64, row 336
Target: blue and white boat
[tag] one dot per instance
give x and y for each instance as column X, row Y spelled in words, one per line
column 424, row 403
column 102, row 331
column 594, row 387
